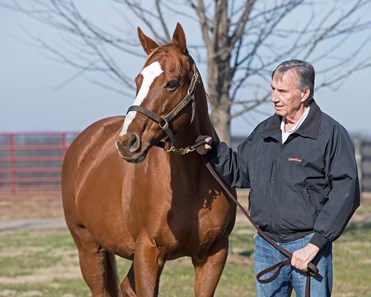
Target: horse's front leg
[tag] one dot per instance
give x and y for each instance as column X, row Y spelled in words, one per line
column 209, row 268
column 148, row 265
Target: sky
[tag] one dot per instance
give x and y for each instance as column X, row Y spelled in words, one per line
column 31, row 98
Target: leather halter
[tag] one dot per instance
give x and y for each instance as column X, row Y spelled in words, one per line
column 164, row 120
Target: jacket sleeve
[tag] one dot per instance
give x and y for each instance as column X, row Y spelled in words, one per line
column 229, row 164
column 344, row 197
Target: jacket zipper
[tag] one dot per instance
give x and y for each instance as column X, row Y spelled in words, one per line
column 273, row 182
column 280, row 149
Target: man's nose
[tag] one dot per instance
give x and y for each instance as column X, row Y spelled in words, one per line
column 274, row 96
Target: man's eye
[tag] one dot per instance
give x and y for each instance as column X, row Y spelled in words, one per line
column 172, row 85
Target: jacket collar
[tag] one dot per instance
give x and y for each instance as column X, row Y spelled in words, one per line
column 309, row 128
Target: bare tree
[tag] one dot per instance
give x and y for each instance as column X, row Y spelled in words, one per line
column 239, row 42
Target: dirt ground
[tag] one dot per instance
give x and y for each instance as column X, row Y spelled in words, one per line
column 36, row 206
column 31, row 206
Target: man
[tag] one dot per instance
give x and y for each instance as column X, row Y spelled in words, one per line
column 300, row 167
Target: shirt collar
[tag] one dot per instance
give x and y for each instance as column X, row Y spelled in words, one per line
column 286, row 134
column 298, row 123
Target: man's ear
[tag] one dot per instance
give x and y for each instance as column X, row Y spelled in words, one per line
column 305, row 94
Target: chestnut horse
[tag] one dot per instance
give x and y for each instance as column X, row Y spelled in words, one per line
column 123, row 195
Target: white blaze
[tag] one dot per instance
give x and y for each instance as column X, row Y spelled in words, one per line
column 149, row 74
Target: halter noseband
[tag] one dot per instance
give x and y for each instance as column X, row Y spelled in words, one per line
column 163, row 121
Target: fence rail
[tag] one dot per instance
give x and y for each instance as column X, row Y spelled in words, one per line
column 31, row 162
column 364, row 150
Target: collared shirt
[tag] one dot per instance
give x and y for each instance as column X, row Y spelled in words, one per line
column 286, row 134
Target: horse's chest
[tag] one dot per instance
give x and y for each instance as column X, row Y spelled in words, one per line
column 197, row 228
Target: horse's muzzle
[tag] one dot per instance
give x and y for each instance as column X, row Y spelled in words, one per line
column 129, row 148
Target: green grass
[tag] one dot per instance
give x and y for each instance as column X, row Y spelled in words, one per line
column 352, row 264
column 44, row 263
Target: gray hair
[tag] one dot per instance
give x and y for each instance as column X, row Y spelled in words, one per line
column 304, row 70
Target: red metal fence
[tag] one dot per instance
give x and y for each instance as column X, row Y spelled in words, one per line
column 31, row 162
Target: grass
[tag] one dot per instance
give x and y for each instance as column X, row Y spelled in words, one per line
column 44, row 263
column 352, row 264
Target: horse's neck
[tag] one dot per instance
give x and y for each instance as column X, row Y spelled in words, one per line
column 204, row 122
column 201, row 124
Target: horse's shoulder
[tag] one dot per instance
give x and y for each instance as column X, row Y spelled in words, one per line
column 104, row 128
column 106, row 125
column 94, row 143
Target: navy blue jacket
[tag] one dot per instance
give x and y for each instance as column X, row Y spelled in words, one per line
column 308, row 184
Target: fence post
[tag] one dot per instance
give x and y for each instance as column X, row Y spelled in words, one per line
column 12, row 163
column 64, row 144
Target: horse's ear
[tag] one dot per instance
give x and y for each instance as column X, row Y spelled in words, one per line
column 147, row 43
column 179, row 39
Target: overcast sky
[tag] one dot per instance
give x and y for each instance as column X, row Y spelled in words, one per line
column 31, row 99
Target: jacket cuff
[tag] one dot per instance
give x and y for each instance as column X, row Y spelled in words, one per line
column 213, row 153
column 319, row 240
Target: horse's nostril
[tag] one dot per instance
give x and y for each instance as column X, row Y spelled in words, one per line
column 134, row 143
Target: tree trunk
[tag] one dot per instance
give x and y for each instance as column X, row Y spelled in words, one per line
column 218, row 89
column 222, row 123
column 219, row 72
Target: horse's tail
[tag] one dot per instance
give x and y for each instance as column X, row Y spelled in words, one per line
column 111, row 279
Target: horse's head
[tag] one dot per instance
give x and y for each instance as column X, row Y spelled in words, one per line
column 164, row 102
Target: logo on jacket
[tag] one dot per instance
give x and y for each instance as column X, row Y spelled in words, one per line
column 295, row 159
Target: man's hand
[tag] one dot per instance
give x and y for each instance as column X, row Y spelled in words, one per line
column 302, row 257
column 203, row 149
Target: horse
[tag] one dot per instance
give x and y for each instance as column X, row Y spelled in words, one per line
column 133, row 187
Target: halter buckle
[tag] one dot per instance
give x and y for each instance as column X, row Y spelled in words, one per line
column 164, row 124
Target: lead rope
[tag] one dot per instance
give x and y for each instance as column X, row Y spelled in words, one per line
column 312, row 269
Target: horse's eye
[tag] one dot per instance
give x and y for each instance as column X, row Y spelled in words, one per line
column 172, row 85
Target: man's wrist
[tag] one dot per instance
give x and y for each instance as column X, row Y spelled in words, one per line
column 319, row 240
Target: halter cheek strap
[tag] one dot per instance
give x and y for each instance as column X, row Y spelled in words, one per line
column 164, row 121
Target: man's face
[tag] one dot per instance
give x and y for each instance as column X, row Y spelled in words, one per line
column 287, row 99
